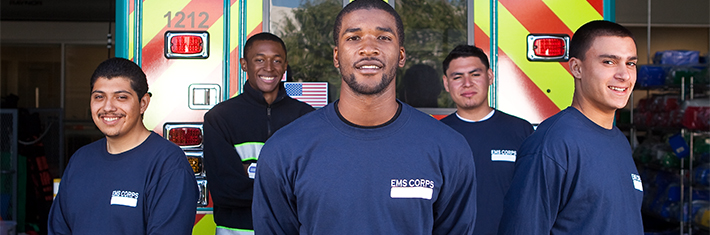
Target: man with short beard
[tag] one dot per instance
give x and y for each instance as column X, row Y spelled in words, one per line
column 131, row 182
column 367, row 163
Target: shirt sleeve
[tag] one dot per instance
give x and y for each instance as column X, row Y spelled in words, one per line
column 229, row 184
column 57, row 223
column 171, row 203
column 534, row 197
column 274, row 207
column 455, row 208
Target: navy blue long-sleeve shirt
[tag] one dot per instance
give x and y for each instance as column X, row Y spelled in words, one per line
column 573, row 176
column 320, row 175
column 494, row 143
column 150, row 189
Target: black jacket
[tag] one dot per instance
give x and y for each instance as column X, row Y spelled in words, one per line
column 234, row 131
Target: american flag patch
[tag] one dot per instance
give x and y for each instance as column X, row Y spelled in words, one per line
column 312, row 93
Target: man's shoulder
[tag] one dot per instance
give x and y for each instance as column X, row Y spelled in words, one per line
column 306, row 123
column 432, row 128
column 240, row 99
column 238, row 106
column 553, row 136
column 155, row 140
column 292, row 101
column 510, row 118
column 91, row 149
column 450, row 119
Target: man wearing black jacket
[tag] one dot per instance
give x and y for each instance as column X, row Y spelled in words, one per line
column 236, row 129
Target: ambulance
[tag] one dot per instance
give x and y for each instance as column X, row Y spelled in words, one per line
column 190, row 50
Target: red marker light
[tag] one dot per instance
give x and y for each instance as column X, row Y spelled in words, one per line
column 186, row 44
column 549, row 47
column 185, row 136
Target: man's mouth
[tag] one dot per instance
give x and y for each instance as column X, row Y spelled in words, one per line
column 268, row 79
column 110, row 117
column 619, row 89
column 468, row 94
column 369, row 64
column 368, row 67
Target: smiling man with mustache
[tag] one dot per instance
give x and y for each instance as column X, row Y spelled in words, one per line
column 367, row 163
column 131, row 182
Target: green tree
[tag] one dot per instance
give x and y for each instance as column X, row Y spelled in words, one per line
column 309, row 39
column 432, row 28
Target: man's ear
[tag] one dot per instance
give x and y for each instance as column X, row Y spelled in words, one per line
column 243, row 63
column 575, row 67
column 336, row 63
column 490, row 76
column 145, row 100
column 402, row 57
column 446, row 83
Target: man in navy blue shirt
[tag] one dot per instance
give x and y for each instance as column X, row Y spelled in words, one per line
column 367, row 163
column 575, row 174
column 494, row 136
column 131, row 182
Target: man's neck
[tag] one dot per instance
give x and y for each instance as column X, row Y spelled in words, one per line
column 603, row 118
column 123, row 143
column 269, row 97
column 475, row 114
column 367, row 110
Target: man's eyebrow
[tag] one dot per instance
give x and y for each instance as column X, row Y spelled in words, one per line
column 609, row 56
column 472, row 71
column 389, row 30
column 116, row 92
column 617, row 57
column 262, row 54
column 352, row 30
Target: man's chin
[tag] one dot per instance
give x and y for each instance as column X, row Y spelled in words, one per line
column 369, row 89
column 111, row 134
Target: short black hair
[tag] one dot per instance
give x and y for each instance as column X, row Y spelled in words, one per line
column 120, row 67
column 465, row 51
column 367, row 5
column 265, row 36
column 585, row 35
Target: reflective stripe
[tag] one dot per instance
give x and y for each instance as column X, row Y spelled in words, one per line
column 583, row 12
column 221, row 230
column 249, row 151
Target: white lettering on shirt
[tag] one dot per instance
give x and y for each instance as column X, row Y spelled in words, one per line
column 124, row 198
column 412, row 188
column 503, row 155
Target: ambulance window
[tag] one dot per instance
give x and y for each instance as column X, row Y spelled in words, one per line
column 432, row 29
column 307, row 27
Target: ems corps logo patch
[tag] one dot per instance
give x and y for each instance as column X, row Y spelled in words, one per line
column 124, row 198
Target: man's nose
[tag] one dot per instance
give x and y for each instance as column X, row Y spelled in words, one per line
column 369, row 48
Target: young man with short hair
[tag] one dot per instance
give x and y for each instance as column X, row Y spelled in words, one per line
column 236, row 129
column 575, row 174
column 131, row 182
column 494, row 136
column 367, row 163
